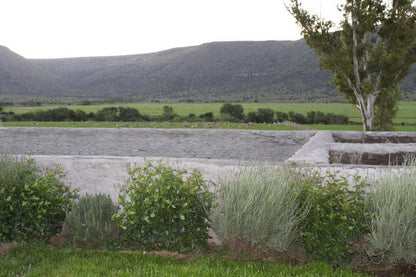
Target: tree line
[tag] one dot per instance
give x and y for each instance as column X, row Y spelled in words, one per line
column 228, row 113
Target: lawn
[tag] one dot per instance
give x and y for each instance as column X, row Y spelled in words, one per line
column 43, row 260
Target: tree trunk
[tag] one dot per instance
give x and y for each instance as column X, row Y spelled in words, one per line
column 367, row 111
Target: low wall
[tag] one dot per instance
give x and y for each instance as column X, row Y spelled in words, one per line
column 102, row 163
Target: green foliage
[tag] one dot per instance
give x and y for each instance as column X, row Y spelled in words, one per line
column 208, row 117
column 89, row 224
column 386, row 110
column 337, row 216
column 168, row 113
column 263, row 115
column 258, row 205
column 163, row 207
column 232, row 113
column 107, row 114
column 372, row 51
column 297, row 117
column 32, row 202
column 393, row 224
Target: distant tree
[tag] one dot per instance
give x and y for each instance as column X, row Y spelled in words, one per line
column 168, row 113
column 297, row 118
column 107, row 114
column 1, row 109
column 209, row 117
column 281, row 116
column 230, row 111
column 128, row 114
column 251, row 117
column 261, row 116
column 81, row 115
column 370, row 53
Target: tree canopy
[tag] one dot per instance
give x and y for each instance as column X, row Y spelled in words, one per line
column 370, row 51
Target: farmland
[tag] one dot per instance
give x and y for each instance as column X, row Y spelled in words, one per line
column 407, row 110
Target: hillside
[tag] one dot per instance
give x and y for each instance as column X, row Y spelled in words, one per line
column 232, row 71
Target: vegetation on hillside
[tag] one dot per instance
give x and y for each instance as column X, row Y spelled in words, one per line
column 222, row 71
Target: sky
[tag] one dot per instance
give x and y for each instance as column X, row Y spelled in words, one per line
column 81, row 28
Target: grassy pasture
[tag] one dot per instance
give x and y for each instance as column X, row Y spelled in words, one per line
column 407, row 110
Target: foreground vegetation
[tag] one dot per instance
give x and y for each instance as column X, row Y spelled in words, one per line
column 260, row 212
column 42, row 260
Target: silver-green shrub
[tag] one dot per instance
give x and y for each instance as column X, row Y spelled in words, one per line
column 258, row 205
column 89, row 224
column 393, row 223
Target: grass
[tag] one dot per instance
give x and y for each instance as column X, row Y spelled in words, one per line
column 407, row 110
column 192, row 125
column 41, row 260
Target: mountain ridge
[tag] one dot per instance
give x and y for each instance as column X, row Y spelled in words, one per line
column 217, row 71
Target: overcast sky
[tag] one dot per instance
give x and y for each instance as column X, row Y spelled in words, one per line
column 76, row 28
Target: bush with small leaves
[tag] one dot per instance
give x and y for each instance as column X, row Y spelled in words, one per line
column 338, row 216
column 89, row 224
column 33, row 202
column 164, row 208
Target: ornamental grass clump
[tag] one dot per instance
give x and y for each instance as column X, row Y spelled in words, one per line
column 89, row 224
column 393, row 221
column 164, row 208
column 258, row 205
column 33, row 202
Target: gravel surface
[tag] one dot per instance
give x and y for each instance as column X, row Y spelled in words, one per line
column 276, row 146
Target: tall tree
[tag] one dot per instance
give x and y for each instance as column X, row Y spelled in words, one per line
column 370, row 51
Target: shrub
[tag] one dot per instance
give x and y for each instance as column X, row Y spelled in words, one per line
column 209, row 117
column 393, row 224
column 281, row 116
column 230, row 112
column 161, row 208
column 168, row 113
column 337, row 216
column 261, row 116
column 297, row 118
column 32, row 202
column 258, row 205
column 89, row 223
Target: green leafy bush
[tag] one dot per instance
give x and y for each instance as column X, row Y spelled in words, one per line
column 163, row 207
column 33, row 202
column 338, row 216
column 90, row 224
column 393, row 220
column 258, row 205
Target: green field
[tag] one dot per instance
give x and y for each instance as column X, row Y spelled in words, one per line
column 407, row 110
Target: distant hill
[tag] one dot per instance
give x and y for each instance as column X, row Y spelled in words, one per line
column 219, row 71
